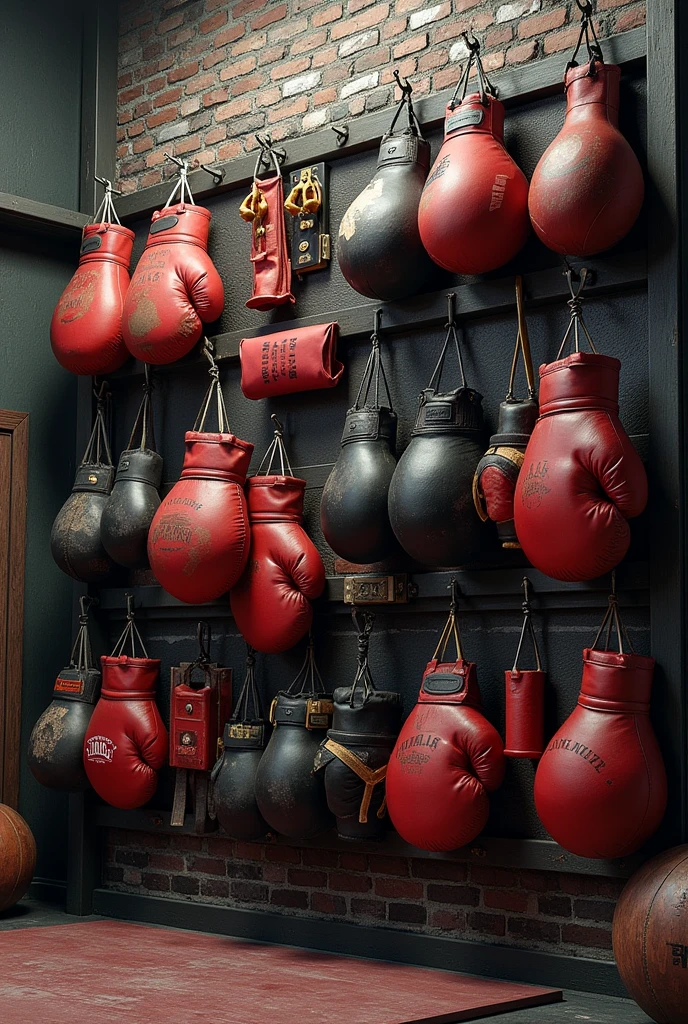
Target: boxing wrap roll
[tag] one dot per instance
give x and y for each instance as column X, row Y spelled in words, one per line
column 354, row 512
column 305, row 359
column 587, row 189
column 271, row 603
column 582, row 479
column 447, row 759
column 175, row 288
column 473, row 213
column 199, row 538
column 378, row 247
column 125, row 745
column 86, row 327
column 600, row 787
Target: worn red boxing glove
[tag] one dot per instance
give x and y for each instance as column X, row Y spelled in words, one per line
column 581, row 477
column 198, row 541
column 447, row 759
column 175, row 288
column 86, row 328
column 600, row 787
column 587, row 189
column 125, row 745
column 473, row 213
column 271, row 603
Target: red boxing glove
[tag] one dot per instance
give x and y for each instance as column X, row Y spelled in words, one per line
column 86, row 328
column 175, row 288
column 304, row 359
column 447, row 758
column 125, row 745
column 271, row 603
column 600, row 787
column 587, row 189
column 199, row 538
column 473, row 213
column 581, row 477
column 271, row 264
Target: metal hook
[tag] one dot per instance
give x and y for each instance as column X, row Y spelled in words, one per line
column 217, row 176
column 100, row 393
column 209, row 353
column 108, row 185
column 613, row 590
column 451, row 309
column 130, row 607
column 585, row 7
column 204, row 637
column 377, row 320
column 474, row 46
column 341, row 133
column 405, row 86
column 86, row 602
column 453, row 586
column 279, row 429
column 525, row 606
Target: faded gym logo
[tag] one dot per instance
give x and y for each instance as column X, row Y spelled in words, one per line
column 534, row 488
column 100, row 749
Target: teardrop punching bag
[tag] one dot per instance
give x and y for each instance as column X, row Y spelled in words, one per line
column 379, row 248
column 233, row 778
column 473, row 213
column 75, row 539
column 290, row 795
column 587, row 189
column 57, row 739
column 135, row 499
column 430, row 498
column 353, row 508
column 355, row 754
column 495, row 478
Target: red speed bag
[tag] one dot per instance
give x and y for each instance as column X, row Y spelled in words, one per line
column 473, row 213
column 588, row 188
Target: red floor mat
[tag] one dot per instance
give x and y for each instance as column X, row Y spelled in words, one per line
column 102, row 972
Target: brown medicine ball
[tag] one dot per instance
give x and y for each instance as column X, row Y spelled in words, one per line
column 650, row 936
column 17, row 857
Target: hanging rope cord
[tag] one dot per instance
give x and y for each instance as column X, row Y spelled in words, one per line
column 576, row 323
column 214, row 391
column 81, row 657
column 372, row 375
column 130, row 634
column 276, row 448
column 98, row 443
column 527, row 629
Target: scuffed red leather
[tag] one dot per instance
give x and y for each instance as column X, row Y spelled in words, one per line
column 304, row 359
column 498, row 491
column 269, row 255
column 86, row 328
column 447, row 759
column 175, row 288
column 473, row 212
column 524, row 713
column 198, row 542
column 581, row 478
column 125, row 745
column 587, row 189
column 271, row 603
column 600, row 787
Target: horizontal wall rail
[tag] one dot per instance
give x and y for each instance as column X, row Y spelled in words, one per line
column 481, row 297
column 520, row 85
column 19, row 213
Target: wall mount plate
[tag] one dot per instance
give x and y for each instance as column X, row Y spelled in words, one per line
column 310, row 238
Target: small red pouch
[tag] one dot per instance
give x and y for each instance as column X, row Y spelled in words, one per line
column 297, row 360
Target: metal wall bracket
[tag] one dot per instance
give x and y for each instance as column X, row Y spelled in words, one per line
column 379, row 589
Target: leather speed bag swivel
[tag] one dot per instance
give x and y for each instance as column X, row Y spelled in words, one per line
column 57, row 739
column 75, row 539
column 379, row 248
column 473, row 214
column 86, row 328
column 430, row 497
column 234, row 776
column 587, row 189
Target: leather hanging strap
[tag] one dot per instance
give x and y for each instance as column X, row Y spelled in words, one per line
column 522, row 347
column 527, row 628
column 612, row 621
column 451, row 628
column 369, row 776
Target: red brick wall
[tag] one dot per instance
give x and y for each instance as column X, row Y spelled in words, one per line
column 200, row 77
column 566, row 914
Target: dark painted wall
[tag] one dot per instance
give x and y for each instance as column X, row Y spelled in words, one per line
column 40, row 123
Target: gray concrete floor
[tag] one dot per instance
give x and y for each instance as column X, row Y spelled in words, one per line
column 577, row 1006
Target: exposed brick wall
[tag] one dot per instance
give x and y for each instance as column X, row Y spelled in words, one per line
column 566, row 914
column 200, row 77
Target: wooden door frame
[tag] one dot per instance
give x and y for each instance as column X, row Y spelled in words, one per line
column 16, row 424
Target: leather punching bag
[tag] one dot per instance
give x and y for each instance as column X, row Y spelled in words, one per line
column 379, row 248
column 134, row 499
column 56, row 743
column 495, row 478
column 234, row 776
column 430, row 497
column 290, row 796
column 587, row 189
column 600, row 787
column 473, row 214
column 353, row 508
column 263, row 208
column 355, row 754
column 75, row 539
